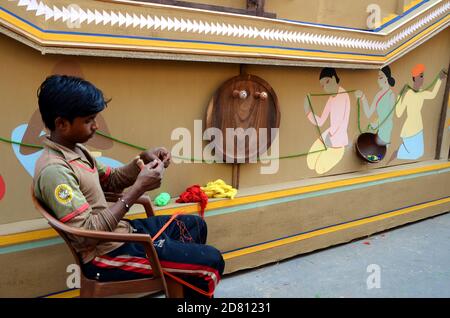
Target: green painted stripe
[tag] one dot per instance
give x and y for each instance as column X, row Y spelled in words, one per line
column 244, row 207
column 248, row 206
column 31, row 245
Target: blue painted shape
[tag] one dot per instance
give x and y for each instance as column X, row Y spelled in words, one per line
column 109, row 162
column 29, row 161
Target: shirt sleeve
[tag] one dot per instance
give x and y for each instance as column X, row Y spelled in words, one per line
column 432, row 94
column 58, row 188
column 401, row 104
column 117, row 179
column 320, row 119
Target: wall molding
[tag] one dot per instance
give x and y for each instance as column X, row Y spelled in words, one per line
column 103, row 27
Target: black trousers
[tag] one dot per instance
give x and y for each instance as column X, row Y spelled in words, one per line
column 181, row 249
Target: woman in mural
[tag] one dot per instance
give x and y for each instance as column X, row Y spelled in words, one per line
column 411, row 103
column 383, row 103
column 33, row 132
column 335, row 137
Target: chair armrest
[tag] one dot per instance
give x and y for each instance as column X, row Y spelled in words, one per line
column 103, row 235
column 63, row 230
column 143, row 200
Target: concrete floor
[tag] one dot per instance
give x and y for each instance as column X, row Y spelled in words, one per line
column 410, row 261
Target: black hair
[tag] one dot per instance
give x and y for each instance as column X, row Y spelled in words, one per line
column 68, row 97
column 329, row 72
column 387, row 71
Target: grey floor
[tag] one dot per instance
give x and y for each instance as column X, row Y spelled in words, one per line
column 410, row 261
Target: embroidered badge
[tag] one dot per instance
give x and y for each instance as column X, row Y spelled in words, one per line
column 64, row 193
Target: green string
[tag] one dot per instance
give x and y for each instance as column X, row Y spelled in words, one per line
column 258, row 158
column 328, row 94
column 399, row 97
column 195, row 159
column 98, row 132
column 21, row 143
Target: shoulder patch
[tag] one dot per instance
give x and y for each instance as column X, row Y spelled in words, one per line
column 64, row 193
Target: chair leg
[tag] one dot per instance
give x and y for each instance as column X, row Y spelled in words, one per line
column 174, row 288
column 87, row 289
column 86, row 293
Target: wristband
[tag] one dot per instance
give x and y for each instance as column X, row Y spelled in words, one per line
column 127, row 207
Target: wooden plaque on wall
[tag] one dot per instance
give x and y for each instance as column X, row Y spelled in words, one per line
column 249, row 103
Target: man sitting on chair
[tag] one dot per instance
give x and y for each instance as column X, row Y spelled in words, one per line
column 71, row 183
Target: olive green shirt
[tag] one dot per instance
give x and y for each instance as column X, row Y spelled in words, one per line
column 72, row 186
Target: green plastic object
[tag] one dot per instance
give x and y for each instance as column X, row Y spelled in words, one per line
column 162, row 199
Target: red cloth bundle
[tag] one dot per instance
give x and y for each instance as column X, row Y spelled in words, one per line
column 194, row 194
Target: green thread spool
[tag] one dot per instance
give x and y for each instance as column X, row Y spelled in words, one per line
column 162, row 199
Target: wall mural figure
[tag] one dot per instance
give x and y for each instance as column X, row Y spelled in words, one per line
column 337, row 108
column 33, row 132
column 383, row 103
column 411, row 103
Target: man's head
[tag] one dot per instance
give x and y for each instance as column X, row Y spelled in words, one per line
column 69, row 105
column 329, row 80
column 417, row 75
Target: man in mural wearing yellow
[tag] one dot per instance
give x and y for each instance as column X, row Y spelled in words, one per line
column 411, row 102
column 71, row 182
column 335, row 137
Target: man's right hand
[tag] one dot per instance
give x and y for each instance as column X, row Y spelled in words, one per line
column 150, row 176
column 359, row 94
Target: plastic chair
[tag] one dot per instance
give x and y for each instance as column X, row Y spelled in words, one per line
column 93, row 288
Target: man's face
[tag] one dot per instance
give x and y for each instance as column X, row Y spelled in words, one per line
column 81, row 129
column 418, row 81
column 328, row 84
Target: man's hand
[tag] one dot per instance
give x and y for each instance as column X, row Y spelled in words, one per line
column 150, row 176
column 159, row 153
column 359, row 94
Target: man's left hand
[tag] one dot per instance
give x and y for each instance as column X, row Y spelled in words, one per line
column 160, row 153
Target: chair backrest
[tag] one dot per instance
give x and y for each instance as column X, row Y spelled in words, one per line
column 58, row 226
column 97, row 289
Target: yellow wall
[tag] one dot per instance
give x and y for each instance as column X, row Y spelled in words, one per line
column 150, row 98
column 349, row 13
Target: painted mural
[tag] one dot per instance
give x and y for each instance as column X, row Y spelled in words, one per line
column 335, row 138
column 382, row 105
column 33, row 132
column 410, row 106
